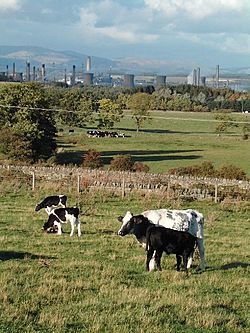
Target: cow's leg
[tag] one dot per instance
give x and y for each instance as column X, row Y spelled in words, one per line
column 185, row 261
column 190, row 260
column 158, row 255
column 72, row 222
column 178, row 262
column 201, row 248
column 150, row 253
column 152, row 263
column 78, row 227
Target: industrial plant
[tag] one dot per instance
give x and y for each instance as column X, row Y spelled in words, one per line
column 87, row 77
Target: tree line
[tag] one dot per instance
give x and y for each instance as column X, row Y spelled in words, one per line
column 30, row 113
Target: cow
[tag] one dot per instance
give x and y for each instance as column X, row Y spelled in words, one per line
column 188, row 220
column 49, row 203
column 63, row 215
column 160, row 239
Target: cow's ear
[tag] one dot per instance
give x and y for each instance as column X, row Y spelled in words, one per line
column 120, row 218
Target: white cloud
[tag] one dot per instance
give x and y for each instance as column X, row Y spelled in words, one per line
column 6, row 5
column 197, row 9
column 111, row 20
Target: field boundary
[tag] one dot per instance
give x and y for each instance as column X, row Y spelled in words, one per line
column 172, row 186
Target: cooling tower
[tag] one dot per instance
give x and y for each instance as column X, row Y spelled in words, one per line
column 129, row 81
column 88, row 79
column 198, row 76
column 203, row 81
column 160, row 80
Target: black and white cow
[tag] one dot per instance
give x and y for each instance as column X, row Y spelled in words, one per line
column 160, row 239
column 188, row 220
column 63, row 215
column 49, row 203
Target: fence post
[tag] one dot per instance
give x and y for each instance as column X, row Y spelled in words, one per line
column 78, row 183
column 33, row 181
column 216, row 193
column 123, row 187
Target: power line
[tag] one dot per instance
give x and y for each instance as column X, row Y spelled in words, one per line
column 130, row 115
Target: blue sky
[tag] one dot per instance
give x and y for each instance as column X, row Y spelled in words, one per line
column 198, row 32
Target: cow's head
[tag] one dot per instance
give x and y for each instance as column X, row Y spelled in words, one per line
column 38, row 207
column 128, row 223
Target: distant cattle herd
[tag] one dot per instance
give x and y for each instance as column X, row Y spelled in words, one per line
column 162, row 230
column 102, row 134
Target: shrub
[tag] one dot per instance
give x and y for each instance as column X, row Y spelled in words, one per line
column 122, row 163
column 92, row 159
column 140, row 167
column 231, row 172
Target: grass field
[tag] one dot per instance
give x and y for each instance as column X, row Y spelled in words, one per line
column 172, row 139
column 98, row 283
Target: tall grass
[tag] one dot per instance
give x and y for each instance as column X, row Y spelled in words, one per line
column 98, row 283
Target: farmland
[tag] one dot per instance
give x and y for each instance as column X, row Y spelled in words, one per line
column 98, row 283
column 171, row 139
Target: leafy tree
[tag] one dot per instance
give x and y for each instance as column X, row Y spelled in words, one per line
column 139, row 103
column 225, row 121
column 109, row 113
column 25, row 113
column 92, row 159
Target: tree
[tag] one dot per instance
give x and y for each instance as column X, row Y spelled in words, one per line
column 25, row 114
column 109, row 113
column 225, row 121
column 139, row 103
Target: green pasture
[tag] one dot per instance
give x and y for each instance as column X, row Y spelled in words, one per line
column 171, row 139
column 98, row 283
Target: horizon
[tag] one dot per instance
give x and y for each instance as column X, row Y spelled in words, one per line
column 189, row 33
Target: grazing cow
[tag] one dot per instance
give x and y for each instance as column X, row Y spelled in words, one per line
column 63, row 215
column 159, row 239
column 49, row 203
column 187, row 220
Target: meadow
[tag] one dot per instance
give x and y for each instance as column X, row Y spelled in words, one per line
column 171, row 139
column 98, row 283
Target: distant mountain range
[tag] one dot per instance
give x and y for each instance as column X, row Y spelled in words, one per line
column 58, row 61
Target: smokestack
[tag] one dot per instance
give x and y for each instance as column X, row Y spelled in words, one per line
column 14, row 71
column 88, row 64
column 7, row 70
column 198, row 76
column 65, row 76
column 217, row 76
column 27, row 71
column 43, row 72
column 203, row 81
column 34, row 74
column 73, row 77
column 194, row 77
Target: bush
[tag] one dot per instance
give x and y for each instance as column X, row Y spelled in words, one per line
column 231, row 172
column 140, row 167
column 92, row 159
column 122, row 163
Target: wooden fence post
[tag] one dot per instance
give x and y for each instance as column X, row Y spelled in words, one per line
column 216, row 193
column 123, row 187
column 33, row 181
column 78, row 183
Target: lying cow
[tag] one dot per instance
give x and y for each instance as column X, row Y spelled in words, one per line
column 160, row 239
column 63, row 215
column 187, row 220
column 49, row 203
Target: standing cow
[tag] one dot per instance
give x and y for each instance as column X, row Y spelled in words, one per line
column 188, row 220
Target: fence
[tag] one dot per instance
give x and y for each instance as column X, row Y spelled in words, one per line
column 125, row 182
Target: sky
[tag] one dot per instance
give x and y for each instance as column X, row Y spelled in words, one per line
column 199, row 32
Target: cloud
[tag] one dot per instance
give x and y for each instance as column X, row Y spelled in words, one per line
column 109, row 19
column 6, row 5
column 197, row 9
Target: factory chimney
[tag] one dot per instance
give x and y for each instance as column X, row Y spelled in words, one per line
column 129, row 80
column 198, row 76
column 73, row 77
column 14, row 71
column 217, row 76
column 27, row 71
column 43, row 72
column 88, row 64
column 34, row 74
